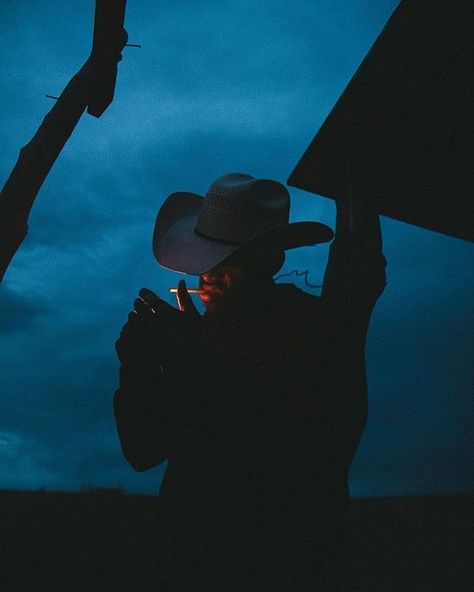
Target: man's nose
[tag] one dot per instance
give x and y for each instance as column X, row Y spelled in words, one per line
column 208, row 278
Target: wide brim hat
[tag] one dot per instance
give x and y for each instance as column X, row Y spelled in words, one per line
column 194, row 233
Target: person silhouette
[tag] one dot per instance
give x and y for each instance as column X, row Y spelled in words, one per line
column 260, row 403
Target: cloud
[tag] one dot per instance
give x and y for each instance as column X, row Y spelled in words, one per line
column 89, row 459
column 216, row 87
column 19, row 312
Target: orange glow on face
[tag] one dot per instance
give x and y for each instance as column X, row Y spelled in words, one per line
column 219, row 284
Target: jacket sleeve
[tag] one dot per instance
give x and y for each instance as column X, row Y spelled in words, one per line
column 354, row 279
column 156, row 414
column 355, row 273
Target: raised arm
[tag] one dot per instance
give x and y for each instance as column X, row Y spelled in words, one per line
column 155, row 414
column 354, row 279
column 158, row 405
column 355, row 273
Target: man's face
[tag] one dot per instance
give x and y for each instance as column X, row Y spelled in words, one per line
column 221, row 284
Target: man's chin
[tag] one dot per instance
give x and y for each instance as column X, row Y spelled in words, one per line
column 211, row 300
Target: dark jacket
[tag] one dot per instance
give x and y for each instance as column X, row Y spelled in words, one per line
column 260, row 431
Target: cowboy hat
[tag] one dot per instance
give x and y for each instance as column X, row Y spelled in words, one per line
column 194, row 233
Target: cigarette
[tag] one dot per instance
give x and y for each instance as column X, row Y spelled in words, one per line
column 190, row 290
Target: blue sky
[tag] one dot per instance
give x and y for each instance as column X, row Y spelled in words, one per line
column 217, row 87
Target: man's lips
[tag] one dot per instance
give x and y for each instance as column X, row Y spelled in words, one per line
column 209, row 293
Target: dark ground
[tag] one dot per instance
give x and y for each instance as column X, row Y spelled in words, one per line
column 95, row 540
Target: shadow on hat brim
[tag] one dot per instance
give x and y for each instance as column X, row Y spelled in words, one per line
column 177, row 246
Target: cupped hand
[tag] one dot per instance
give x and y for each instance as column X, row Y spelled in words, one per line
column 157, row 330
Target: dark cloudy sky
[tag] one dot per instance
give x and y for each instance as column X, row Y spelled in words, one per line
column 218, row 86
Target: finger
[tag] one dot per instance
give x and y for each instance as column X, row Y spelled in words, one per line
column 135, row 321
column 132, row 329
column 142, row 308
column 156, row 303
column 124, row 347
column 185, row 302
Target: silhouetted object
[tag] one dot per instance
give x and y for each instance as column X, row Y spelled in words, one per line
column 92, row 86
column 85, row 542
column 258, row 405
column 405, row 122
column 108, row 39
